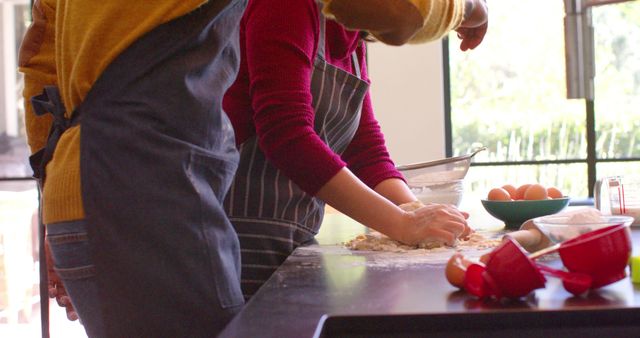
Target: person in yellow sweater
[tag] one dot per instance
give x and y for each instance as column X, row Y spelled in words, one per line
column 130, row 91
column 134, row 154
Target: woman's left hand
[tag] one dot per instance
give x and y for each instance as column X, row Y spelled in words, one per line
column 56, row 288
column 433, row 222
column 474, row 27
column 471, row 37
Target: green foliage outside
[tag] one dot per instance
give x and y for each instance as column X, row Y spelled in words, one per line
column 509, row 94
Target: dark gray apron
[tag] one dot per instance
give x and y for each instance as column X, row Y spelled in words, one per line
column 270, row 213
column 157, row 158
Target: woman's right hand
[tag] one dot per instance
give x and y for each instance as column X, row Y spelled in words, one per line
column 432, row 223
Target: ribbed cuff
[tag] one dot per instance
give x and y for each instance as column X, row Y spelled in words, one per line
column 62, row 195
column 442, row 17
column 62, row 198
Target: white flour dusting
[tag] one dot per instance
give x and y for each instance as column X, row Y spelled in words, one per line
column 378, row 251
column 390, row 253
column 376, row 241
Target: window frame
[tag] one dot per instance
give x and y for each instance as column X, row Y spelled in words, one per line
column 591, row 160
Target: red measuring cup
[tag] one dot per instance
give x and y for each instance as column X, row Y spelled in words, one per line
column 602, row 254
column 576, row 283
column 513, row 272
column 594, row 259
column 507, row 273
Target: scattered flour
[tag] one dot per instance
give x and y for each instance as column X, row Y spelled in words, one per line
column 377, row 251
column 376, row 241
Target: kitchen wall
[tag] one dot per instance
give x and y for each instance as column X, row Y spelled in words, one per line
column 408, row 99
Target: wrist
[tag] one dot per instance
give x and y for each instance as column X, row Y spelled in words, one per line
column 403, row 229
column 393, row 224
column 411, row 206
column 469, row 6
column 475, row 15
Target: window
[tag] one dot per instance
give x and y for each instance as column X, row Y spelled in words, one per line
column 617, row 89
column 19, row 302
column 509, row 95
column 19, row 254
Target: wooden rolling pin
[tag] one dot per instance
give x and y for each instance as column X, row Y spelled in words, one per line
column 530, row 237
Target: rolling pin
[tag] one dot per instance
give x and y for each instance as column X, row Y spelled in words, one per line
column 530, row 237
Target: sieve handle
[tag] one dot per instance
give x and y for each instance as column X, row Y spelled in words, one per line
column 544, row 251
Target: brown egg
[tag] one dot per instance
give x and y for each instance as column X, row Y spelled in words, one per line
column 554, row 192
column 536, row 192
column 456, row 267
column 510, row 189
column 498, row 194
column 521, row 190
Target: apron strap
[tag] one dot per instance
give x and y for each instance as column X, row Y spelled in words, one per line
column 322, row 42
column 321, row 37
column 356, row 64
column 49, row 102
column 44, row 277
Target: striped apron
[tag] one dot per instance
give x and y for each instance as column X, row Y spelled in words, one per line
column 270, row 213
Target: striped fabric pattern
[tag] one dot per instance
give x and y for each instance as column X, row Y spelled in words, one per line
column 270, row 213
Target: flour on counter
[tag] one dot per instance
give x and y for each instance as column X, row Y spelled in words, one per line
column 375, row 250
column 376, row 241
column 380, row 251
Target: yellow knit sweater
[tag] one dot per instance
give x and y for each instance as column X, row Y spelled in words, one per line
column 69, row 44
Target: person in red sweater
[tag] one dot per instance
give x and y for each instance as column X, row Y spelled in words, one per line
column 307, row 136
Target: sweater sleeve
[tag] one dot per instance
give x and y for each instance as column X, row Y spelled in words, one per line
column 37, row 61
column 440, row 17
column 280, row 51
column 367, row 155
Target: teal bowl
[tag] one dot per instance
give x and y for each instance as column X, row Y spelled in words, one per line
column 514, row 213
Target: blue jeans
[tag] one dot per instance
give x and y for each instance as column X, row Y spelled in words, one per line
column 69, row 248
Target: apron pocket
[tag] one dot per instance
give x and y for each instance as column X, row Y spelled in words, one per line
column 211, row 177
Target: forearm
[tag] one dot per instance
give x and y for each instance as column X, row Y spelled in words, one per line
column 395, row 190
column 468, row 8
column 346, row 193
column 434, row 222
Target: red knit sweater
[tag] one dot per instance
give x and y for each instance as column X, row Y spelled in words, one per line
column 271, row 96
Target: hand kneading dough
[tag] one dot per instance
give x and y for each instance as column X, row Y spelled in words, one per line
column 375, row 241
column 429, row 244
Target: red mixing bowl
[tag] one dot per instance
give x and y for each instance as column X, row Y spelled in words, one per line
column 603, row 254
